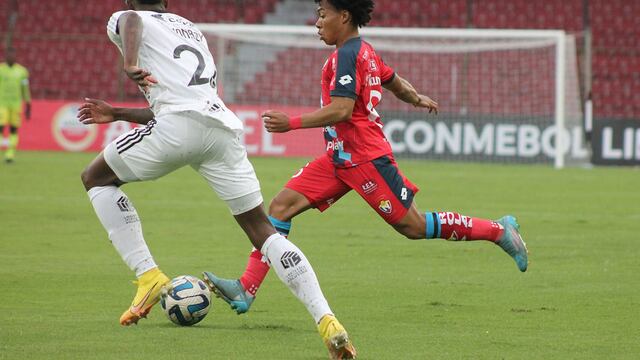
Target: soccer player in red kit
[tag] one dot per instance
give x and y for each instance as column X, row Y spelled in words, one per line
column 358, row 156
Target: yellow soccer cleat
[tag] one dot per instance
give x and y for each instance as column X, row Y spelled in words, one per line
column 336, row 339
column 150, row 285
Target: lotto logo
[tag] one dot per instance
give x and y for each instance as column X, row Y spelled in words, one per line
column 347, row 79
column 290, row 259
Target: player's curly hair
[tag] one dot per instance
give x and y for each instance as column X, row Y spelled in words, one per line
column 360, row 10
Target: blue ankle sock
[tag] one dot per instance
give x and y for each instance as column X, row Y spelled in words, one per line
column 433, row 225
column 283, row 227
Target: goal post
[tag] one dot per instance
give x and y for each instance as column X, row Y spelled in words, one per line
column 506, row 96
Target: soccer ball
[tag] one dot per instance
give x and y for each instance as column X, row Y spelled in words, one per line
column 186, row 301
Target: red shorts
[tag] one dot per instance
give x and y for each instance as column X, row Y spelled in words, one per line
column 379, row 182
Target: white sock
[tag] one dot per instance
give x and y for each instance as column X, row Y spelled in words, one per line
column 120, row 219
column 293, row 269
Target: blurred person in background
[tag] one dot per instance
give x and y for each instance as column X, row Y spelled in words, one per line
column 14, row 94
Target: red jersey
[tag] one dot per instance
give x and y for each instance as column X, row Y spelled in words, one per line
column 356, row 71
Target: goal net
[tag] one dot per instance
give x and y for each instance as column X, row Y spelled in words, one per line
column 507, row 96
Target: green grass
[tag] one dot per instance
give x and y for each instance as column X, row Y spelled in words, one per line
column 64, row 286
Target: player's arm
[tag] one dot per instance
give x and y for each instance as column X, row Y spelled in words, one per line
column 26, row 96
column 340, row 109
column 95, row 111
column 344, row 92
column 403, row 90
column 130, row 28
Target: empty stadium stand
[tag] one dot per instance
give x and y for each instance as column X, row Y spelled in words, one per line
column 69, row 56
column 65, row 47
column 616, row 61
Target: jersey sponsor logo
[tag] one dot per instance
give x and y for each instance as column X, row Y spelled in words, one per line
column 335, row 145
column 372, row 65
column 290, row 259
column 369, row 186
column 385, row 206
column 373, row 80
column 345, row 80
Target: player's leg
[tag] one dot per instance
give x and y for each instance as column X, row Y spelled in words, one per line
column 13, row 116
column 240, row 293
column 295, row 271
column 231, row 175
column 142, row 154
column 504, row 232
column 4, row 122
column 392, row 197
column 10, row 156
column 312, row 186
column 447, row 225
column 122, row 223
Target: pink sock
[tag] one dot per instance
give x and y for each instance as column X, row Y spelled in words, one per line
column 254, row 274
column 454, row 226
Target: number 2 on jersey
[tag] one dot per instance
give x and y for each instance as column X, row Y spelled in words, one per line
column 197, row 78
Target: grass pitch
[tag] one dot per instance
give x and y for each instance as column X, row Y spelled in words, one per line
column 64, row 286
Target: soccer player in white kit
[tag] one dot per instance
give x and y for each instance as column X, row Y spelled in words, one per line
column 186, row 124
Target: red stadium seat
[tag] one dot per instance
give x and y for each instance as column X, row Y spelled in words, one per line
column 53, row 37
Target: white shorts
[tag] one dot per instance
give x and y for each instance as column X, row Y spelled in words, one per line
column 174, row 140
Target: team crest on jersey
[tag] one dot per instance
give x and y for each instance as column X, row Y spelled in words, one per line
column 385, row 206
column 372, row 65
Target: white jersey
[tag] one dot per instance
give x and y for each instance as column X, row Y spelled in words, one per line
column 177, row 55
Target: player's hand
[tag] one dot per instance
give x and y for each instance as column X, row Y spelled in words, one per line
column 27, row 111
column 276, row 121
column 426, row 102
column 142, row 77
column 95, row 112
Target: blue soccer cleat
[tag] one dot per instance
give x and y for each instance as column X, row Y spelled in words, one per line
column 230, row 291
column 511, row 242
